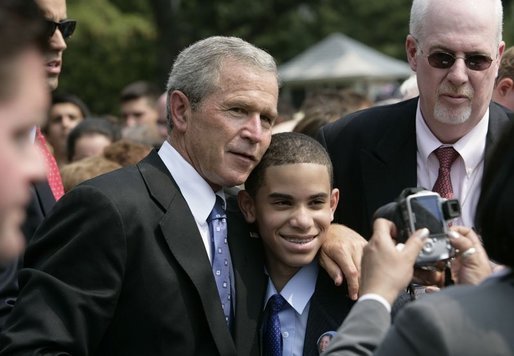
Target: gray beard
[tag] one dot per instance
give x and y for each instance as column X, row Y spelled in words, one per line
column 446, row 115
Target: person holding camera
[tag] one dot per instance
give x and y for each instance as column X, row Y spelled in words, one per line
column 473, row 318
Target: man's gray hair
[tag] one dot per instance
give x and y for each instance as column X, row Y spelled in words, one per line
column 196, row 69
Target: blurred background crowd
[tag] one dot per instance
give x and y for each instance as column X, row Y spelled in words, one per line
column 331, row 63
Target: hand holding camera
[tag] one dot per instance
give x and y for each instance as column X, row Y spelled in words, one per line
column 469, row 267
column 385, row 269
column 417, row 208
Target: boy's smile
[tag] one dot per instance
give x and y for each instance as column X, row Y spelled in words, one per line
column 293, row 209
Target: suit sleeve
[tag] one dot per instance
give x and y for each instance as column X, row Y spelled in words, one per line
column 361, row 331
column 71, row 280
column 418, row 329
column 41, row 202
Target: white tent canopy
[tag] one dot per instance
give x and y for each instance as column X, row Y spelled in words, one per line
column 340, row 59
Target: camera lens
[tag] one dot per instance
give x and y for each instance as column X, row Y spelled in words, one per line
column 451, row 209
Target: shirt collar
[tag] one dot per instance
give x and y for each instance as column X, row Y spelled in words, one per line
column 196, row 191
column 470, row 147
column 300, row 288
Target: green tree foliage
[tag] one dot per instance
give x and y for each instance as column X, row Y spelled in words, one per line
column 119, row 41
column 108, row 50
column 508, row 25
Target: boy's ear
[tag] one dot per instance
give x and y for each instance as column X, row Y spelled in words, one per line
column 334, row 199
column 247, row 206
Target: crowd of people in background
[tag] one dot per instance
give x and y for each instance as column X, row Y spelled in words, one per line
column 212, row 217
column 73, row 133
column 141, row 118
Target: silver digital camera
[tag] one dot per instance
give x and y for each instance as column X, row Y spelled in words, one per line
column 418, row 208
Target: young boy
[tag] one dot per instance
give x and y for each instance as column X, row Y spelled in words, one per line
column 289, row 197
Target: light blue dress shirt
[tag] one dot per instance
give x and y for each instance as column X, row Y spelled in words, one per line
column 293, row 319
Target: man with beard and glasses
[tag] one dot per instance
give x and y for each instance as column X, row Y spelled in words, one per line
column 44, row 193
column 455, row 48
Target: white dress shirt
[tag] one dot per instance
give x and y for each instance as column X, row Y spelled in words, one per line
column 466, row 172
column 196, row 191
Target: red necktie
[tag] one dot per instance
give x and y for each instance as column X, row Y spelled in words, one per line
column 53, row 174
column 443, row 184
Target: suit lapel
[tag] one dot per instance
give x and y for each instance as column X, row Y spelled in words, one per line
column 44, row 196
column 390, row 164
column 185, row 243
column 328, row 307
column 498, row 119
column 250, row 281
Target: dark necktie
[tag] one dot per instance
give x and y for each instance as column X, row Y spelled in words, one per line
column 221, row 256
column 53, row 175
column 443, row 184
column 271, row 332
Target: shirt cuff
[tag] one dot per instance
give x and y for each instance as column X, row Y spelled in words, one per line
column 378, row 298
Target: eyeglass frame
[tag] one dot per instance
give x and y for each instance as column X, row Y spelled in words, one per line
column 454, row 58
column 60, row 25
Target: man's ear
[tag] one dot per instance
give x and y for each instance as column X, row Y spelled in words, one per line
column 411, row 48
column 180, row 110
column 247, row 206
column 504, row 86
column 334, row 200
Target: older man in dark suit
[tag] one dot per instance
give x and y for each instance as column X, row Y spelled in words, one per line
column 123, row 265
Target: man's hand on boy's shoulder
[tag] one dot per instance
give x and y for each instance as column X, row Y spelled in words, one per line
column 341, row 255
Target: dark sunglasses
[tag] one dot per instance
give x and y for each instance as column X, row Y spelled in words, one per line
column 443, row 60
column 67, row 27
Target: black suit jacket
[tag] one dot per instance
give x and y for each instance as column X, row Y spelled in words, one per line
column 374, row 156
column 328, row 308
column 39, row 206
column 119, row 268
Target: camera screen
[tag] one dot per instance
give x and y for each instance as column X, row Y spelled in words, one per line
column 426, row 212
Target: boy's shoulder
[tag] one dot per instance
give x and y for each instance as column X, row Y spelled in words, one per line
column 329, row 307
column 330, row 294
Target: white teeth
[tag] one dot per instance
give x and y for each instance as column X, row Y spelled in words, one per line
column 299, row 241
